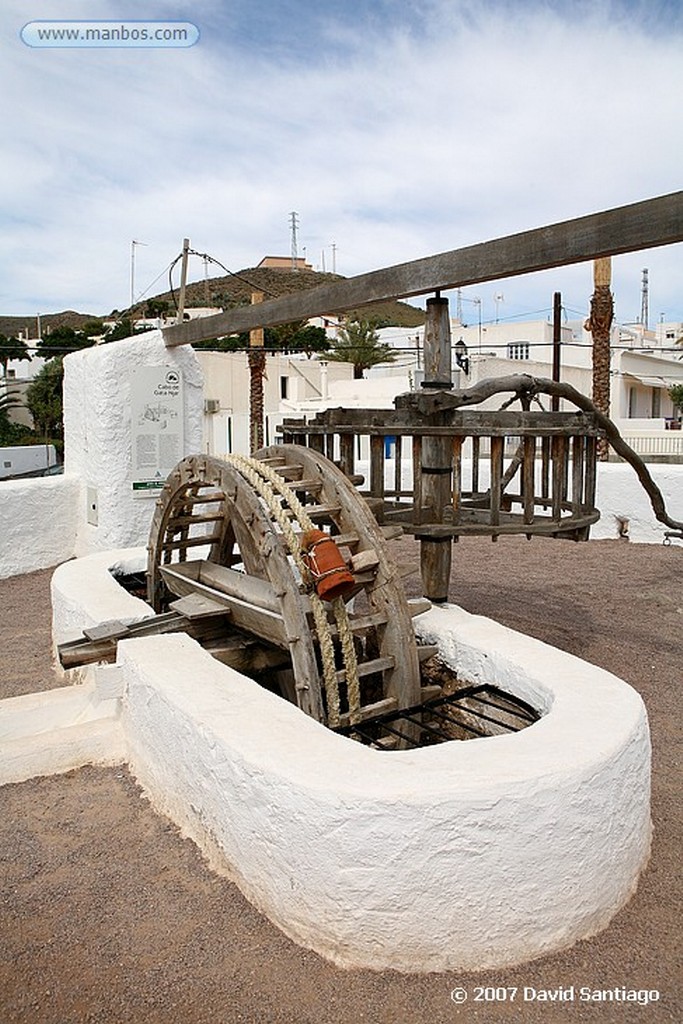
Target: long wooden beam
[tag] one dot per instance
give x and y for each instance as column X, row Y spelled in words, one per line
column 644, row 225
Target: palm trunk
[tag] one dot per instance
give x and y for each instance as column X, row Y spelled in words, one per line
column 257, row 365
column 599, row 324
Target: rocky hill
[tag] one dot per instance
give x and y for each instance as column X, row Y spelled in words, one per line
column 236, row 289
column 227, row 291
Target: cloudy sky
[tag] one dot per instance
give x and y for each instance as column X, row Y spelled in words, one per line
column 394, row 128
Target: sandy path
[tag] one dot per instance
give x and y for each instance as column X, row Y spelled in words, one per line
column 109, row 915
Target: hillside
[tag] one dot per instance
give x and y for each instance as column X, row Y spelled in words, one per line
column 11, row 326
column 226, row 292
column 235, row 290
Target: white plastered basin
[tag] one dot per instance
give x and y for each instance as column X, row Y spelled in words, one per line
column 464, row 855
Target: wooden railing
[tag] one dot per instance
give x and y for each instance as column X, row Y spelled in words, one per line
column 546, row 487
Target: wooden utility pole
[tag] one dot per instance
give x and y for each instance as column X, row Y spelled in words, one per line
column 257, row 365
column 183, row 279
column 599, row 324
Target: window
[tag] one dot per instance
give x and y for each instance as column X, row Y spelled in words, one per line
column 518, row 350
column 656, row 406
column 631, row 403
column 284, row 387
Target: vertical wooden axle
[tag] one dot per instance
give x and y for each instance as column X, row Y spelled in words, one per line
column 436, row 455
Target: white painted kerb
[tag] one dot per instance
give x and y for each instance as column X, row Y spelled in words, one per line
column 460, row 856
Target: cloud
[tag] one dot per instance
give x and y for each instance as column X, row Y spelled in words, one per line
column 395, row 130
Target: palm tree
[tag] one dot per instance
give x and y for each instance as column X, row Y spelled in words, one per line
column 358, row 342
column 8, row 400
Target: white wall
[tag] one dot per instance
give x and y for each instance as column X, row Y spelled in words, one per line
column 97, row 432
column 621, row 497
column 465, row 855
column 38, row 522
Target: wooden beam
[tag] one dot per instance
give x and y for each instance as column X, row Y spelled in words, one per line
column 643, row 225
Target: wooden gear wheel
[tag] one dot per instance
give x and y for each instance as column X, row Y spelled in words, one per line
column 209, row 503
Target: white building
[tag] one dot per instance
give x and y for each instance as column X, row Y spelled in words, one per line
column 292, row 383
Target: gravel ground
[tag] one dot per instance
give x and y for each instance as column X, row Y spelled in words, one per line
column 109, row 915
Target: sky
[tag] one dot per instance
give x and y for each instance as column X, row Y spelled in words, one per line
column 395, row 129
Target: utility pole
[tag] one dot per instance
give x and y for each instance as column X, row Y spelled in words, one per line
column 132, row 270
column 294, row 223
column 644, row 302
column 207, row 299
column 183, row 279
column 334, row 257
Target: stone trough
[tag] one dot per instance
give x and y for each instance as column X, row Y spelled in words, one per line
column 463, row 855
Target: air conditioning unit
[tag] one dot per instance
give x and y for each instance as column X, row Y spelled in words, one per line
column 211, row 405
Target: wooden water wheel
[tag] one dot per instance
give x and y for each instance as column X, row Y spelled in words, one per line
column 223, row 509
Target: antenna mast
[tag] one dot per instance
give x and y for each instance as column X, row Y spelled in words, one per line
column 294, row 222
column 644, row 310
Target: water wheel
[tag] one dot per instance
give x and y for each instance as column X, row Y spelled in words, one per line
column 221, row 508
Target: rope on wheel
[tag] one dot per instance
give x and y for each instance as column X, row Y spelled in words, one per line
column 266, row 482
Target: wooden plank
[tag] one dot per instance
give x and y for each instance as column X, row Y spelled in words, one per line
column 380, row 707
column 377, row 466
column 591, row 472
column 368, row 668
column 577, row 475
column 466, row 422
column 112, row 630
column 346, row 456
column 251, row 602
column 496, row 478
column 528, row 470
column 457, row 477
column 642, row 225
column 197, row 606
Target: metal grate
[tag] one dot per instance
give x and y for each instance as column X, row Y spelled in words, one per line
column 468, row 713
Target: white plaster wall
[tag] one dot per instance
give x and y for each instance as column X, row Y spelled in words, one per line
column 97, row 432
column 57, row 730
column 465, row 855
column 37, row 523
column 620, row 496
column 84, row 592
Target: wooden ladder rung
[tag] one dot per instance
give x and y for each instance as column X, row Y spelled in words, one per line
column 359, row 623
column 182, row 521
column 381, row 707
column 426, row 651
column 312, row 484
column 190, row 542
column 368, row 668
column 318, row 511
column 204, row 499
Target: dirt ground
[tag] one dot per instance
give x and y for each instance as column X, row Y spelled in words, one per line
column 109, row 915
